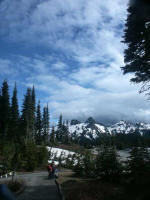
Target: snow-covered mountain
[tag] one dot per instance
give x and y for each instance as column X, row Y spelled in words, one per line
column 92, row 129
column 127, row 127
column 122, row 127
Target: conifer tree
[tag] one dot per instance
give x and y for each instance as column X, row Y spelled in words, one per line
column 38, row 136
column 33, row 109
column 107, row 165
column 45, row 124
column 14, row 115
column 0, row 114
column 65, row 134
column 27, row 118
column 52, row 136
column 4, row 110
column 60, row 122
column 139, row 164
column 59, row 134
column 137, row 39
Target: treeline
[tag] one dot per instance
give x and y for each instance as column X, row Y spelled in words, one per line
column 30, row 124
column 123, row 141
column 21, row 131
column 61, row 134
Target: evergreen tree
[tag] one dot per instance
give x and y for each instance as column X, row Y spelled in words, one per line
column 28, row 118
column 108, row 166
column 139, row 164
column 4, row 110
column 137, row 38
column 52, row 136
column 45, row 124
column 60, row 131
column 0, row 114
column 65, row 134
column 33, row 110
column 38, row 136
column 89, row 165
column 14, row 116
column 60, row 122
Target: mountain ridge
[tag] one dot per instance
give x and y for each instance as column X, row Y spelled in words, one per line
column 92, row 130
column 120, row 127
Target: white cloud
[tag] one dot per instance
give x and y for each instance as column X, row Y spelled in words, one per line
column 6, row 67
column 100, row 92
column 59, row 66
column 87, row 30
column 89, row 34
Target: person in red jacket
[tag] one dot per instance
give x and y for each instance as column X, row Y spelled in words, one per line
column 50, row 170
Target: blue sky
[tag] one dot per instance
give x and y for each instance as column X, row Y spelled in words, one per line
column 71, row 51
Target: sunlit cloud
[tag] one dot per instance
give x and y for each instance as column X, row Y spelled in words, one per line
column 71, row 51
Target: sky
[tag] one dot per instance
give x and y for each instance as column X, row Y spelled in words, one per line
column 71, row 51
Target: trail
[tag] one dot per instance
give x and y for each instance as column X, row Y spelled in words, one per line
column 38, row 187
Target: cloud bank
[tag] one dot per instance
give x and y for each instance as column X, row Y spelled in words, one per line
column 72, row 52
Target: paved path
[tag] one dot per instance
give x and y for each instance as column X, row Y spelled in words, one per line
column 38, row 187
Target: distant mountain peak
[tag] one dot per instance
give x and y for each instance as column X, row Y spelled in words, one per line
column 90, row 120
column 74, row 122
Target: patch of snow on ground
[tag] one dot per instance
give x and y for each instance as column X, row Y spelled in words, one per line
column 57, row 153
column 60, row 151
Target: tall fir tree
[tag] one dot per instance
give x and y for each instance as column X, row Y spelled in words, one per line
column 65, row 133
column 14, row 116
column 33, row 109
column 45, row 124
column 108, row 165
column 38, row 135
column 60, row 123
column 4, row 110
column 0, row 112
column 59, row 133
column 139, row 164
column 62, row 133
column 28, row 115
column 137, row 39
column 52, row 136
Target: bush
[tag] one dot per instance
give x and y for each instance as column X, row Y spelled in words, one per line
column 108, row 166
column 85, row 164
column 139, row 166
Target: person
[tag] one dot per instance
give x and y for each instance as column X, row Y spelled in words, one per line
column 5, row 193
column 56, row 172
column 49, row 169
column 53, row 169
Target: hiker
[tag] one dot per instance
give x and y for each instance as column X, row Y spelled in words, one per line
column 53, row 169
column 49, row 169
column 56, row 172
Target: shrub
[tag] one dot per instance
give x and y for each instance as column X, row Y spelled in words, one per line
column 108, row 166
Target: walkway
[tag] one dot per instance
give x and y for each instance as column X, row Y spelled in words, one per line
column 38, row 187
